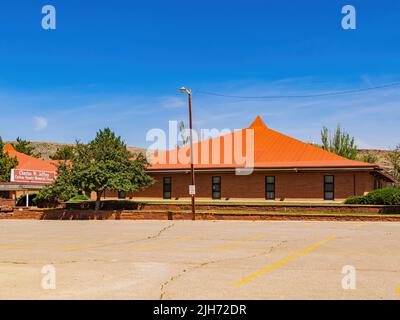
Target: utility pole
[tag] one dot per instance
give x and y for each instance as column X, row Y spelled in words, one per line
column 192, row 187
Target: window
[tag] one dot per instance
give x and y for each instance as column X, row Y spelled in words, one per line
column 167, row 187
column 216, row 187
column 270, row 188
column 377, row 183
column 121, row 194
column 329, row 188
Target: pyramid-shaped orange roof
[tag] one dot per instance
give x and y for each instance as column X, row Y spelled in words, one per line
column 269, row 149
column 29, row 163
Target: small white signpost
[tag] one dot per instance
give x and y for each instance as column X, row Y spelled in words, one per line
column 192, row 190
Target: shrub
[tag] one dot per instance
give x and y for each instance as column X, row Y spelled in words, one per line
column 356, row 200
column 387, row 196
column 105, row 205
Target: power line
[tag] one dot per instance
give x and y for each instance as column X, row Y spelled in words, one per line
column 323, row 94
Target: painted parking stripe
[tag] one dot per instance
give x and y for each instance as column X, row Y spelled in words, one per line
column 277, row 264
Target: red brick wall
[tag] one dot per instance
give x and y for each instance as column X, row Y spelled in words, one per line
column 301, row 185
column 7, row 202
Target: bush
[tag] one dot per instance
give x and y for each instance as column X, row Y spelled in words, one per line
column 105, row 205
column 387, row 196
column 356, row 200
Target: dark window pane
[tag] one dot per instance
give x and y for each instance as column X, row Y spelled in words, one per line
column 216, row 195
column 270, row 179
column 329, row 187
column 216, row 187
column 121, row 194
column 167, row 187
column 270, row 187
column 216, row 179
column 270, row 195
column 328, row 179
column 328, row 195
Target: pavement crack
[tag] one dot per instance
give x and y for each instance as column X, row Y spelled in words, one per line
column 160, row 232
column 206, row 263
column 151, row 237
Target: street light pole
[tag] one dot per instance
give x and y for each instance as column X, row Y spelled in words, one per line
column 192, row 188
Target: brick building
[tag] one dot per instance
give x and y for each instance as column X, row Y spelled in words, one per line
column 30, row 175
column 281, row 168
column 284, row 169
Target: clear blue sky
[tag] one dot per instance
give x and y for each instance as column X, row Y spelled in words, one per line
column 120, row 64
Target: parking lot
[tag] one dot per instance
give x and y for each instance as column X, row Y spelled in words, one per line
column 199, row 260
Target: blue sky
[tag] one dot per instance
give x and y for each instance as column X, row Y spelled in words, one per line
column 120, row 64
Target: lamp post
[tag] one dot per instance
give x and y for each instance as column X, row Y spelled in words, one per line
column 192, row 188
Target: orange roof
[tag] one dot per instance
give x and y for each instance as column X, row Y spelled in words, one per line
column 271, row 149
column 29, row 163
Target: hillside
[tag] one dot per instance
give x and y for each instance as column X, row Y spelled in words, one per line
column 46, row 149
column 380, row 154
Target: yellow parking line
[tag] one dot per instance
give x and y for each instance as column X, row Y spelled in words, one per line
column 277, row 264
column 236, row 243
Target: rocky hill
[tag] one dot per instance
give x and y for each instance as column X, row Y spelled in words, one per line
column 46, row 149
column 380, row 154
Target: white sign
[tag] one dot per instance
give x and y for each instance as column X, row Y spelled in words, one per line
column 33, row 176
column 192, row 190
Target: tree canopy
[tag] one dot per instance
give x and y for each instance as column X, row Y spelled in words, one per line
column 63, row 153
column 6, row 163
column 393, row 158
column 103, row 164
column 339, row 142
column 25, row 147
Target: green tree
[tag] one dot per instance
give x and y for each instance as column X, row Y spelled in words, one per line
column 25, row 147
column 63, row 153
column 63, row 188
column 393, row 158
column 339, row 142
column 6, row 163
column 103, row 164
